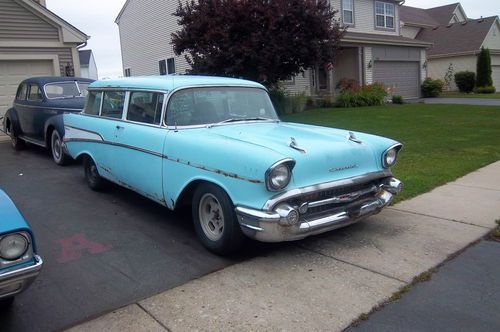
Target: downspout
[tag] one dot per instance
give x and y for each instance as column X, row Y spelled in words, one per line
column 81, row 46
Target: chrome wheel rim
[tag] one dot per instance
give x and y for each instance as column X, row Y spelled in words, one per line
column 56, row 147
column 92, row 172
column 211, row 217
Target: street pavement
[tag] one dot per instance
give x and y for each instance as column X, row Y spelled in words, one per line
column 463, row 296
column 325, row 282
column 463, row 101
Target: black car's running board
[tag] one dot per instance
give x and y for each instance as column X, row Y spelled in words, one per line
column 33, row 141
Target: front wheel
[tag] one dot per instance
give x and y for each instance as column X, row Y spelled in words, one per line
column 56, row 147
column 94, row 180
column 215, row 221
column 6, row 302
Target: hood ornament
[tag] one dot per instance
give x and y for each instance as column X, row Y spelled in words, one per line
column 293, row 144
column 353, row 138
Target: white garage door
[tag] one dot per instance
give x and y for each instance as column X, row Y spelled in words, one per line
column 496, row 77
column 12, row 72
column 402, row 76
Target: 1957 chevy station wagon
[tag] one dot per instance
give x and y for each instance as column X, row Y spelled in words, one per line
column 217, row 144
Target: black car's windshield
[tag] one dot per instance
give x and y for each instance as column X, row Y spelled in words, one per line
column 217, row 105
column 66, row 90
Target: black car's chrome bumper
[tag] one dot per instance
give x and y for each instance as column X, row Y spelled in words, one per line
column 340, row 211
column 16, row 281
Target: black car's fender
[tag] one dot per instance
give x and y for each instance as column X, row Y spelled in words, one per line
column 12, row 118
column 53, row 123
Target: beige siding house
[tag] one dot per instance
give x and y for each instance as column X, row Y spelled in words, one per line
column 34, row 42
column 456, row 39
column 373, row 49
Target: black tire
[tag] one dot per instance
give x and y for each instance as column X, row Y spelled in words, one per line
column 6, row 302
column 230, row 238
column 16, row 142
column 94, row 180
column 57, row 150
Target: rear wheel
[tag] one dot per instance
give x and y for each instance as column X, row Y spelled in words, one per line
column 6, row 302
column 56, row 147
column 215, row 221
column 94, row 180
column 16, row 142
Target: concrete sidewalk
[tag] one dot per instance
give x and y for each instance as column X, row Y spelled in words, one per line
column 463, row 101
column 325, row 282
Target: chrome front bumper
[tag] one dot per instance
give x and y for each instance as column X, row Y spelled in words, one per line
column 16, row 281
column 271, row 226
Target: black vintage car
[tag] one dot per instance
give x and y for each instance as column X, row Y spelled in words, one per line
column 31, row 118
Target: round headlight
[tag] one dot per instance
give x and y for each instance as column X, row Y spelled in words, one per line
column 390, row 157
column 279, row 177
column 13, row 246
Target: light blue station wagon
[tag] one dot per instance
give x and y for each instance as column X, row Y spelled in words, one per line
column 217, row 144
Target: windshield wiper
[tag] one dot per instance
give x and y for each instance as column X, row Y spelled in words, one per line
column 257, row 118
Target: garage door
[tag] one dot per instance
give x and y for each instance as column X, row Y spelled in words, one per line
column 402, row 76
column 496, row 77
column 12, row 72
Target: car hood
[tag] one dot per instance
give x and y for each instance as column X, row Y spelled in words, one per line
column 10, row 217
column 321, row 154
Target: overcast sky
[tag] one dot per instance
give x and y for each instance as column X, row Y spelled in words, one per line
column 97, row 19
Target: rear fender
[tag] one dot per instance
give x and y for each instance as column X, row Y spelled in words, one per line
column 13, row 117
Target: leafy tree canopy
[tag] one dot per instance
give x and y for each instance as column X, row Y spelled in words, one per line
column 260, row 40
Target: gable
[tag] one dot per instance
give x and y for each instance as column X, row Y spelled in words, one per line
column 19, row 23
column 492, row 40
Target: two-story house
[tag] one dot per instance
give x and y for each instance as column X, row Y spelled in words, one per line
column 456, row 39
column 373, row 49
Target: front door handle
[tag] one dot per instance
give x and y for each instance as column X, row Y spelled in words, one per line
column 119, row 127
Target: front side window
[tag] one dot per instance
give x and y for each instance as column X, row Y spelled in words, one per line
column 35, row 94
column 384, row 15
column 65, row 90
column 112, row 104
column 145, row 107
column 348, row 11
column 200, row 106
column 93, row 104
column 21, row 92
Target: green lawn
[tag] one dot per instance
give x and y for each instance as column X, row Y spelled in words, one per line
column 470, row 95
column 441, row 142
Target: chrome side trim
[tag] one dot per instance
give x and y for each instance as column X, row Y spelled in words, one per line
column 271, row 203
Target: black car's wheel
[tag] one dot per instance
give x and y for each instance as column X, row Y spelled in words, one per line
column 215, row 221
column 56, row 148
column 94, row 180
column 17, row 143
column 6, row 302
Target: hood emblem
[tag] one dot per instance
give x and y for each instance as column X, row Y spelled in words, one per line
column 345, row 168
column 353, row 138
column 293, row 144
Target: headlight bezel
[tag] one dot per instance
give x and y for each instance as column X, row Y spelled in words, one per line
column 397, row 148
column 289, row 163
column 27, row 242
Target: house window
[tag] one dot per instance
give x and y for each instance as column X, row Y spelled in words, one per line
column 384, row 15
column 127, row 72
column 348, row 11
column 171, row 65
column 163, row 67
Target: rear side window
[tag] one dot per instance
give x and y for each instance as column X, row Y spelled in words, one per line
column 21, row 92
column 145, row 107
column 93, row 104
column 112, row 105
column 35, row 94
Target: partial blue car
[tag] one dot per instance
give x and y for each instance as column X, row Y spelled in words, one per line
column 218, row 145
column 19, row 261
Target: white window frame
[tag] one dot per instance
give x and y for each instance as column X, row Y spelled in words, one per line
column 166, row 64
column 347, row 9
column 127, row 72
column 385, row 15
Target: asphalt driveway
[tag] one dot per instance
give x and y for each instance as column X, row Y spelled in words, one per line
column 463, row 101
column 101, row 250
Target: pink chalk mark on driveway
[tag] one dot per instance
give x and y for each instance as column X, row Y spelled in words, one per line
column 72, row 247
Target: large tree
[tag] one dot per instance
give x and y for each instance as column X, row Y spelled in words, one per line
column 261, row 40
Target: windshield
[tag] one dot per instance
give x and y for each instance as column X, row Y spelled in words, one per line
column 203, row 106
column 66, row 90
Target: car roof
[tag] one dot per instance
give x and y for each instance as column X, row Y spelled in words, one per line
column 171, row 82
column 52, row 79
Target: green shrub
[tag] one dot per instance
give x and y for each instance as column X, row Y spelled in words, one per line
column 397, row 100
column 484, row 78
column 368, row 95
column 348, row 84
column 465, row 81
column 286, row 103
column 432, row 88
column 485, row 89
